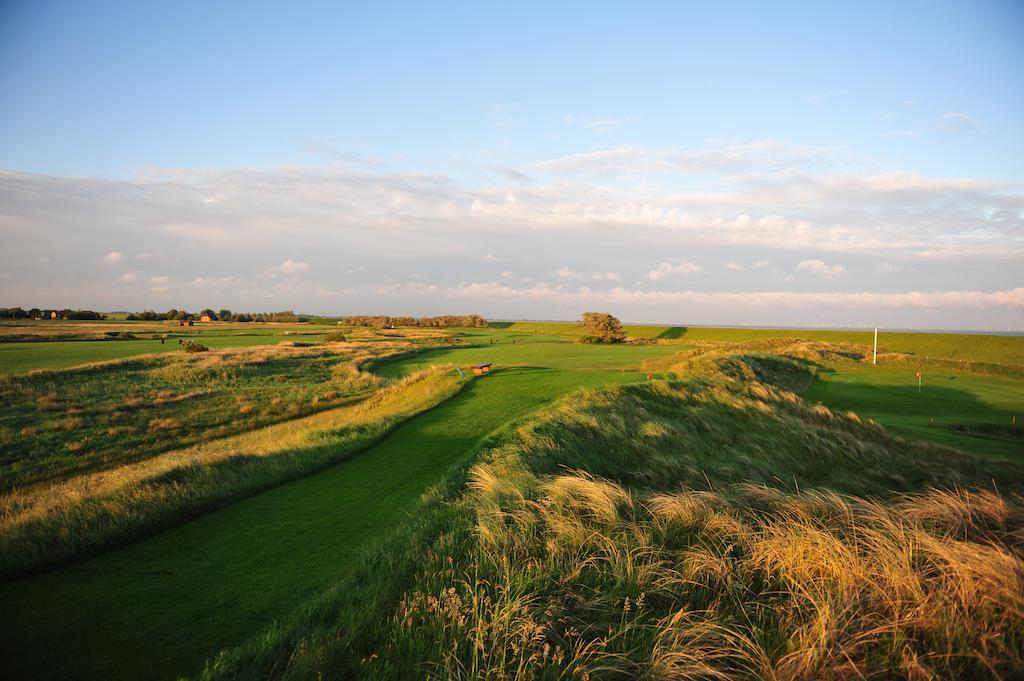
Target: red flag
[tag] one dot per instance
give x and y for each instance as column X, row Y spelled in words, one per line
column 918, row 374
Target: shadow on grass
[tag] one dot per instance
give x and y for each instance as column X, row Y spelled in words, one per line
column 673, row 332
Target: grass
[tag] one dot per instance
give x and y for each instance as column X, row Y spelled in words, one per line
column 716, row 527
column 308, row 555
column 17, row 357
column 212, row 579
column 947, row 400
column 534, row 352
column 127, row 410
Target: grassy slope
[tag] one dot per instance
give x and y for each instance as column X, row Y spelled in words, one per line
column 890, row 396
column 166, row 603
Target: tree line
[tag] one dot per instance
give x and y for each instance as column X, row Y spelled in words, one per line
column 225, row 315
column 37, row 313
column 443, row 321
column 287, row 316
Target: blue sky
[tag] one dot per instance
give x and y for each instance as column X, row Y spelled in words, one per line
column 804, row 163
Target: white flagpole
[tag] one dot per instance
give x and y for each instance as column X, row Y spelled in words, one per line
column 874, row 359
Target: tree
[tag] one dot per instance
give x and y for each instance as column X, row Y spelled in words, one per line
column 224, row 315
column 601, row 328
column 208, row 313
column 171, row 314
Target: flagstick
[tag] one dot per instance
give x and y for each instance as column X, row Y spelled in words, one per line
column 874, row 358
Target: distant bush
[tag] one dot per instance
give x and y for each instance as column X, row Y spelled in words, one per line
column 335, row 337
column 601, row 328
column 192, row 346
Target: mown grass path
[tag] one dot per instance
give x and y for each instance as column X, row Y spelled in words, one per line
column 159, row 608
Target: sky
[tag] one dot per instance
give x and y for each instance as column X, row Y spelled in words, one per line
column 791, row 164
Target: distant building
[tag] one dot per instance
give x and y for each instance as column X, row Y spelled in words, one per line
column 205, row 318
column 481, row 369
column 186, row 322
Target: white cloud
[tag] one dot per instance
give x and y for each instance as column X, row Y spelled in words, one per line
column 159, row 280
column 759, row 264
column 129, row 277
column 113, row 258
column 506, row 274
column 821, row 269
column 289, row 267
column 958, row 121
column 214, row 281
column 956, row 299
column 566, row 273
column 715, row 202
column 766, row 154
column 734, row 266
column 674, row 267
column 891, row 268
column 606, row 276
column 492, row 258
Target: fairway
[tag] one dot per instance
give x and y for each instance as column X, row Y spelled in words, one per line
column 167, row 603
column 534, row 352
column 889, row 394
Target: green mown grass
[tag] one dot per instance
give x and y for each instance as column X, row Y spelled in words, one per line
column 889, row 394
column 161, row 606
column 533, row 352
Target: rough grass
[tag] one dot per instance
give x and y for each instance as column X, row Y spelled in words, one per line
column 122, row 411
column 64, row 521
column 713, row 528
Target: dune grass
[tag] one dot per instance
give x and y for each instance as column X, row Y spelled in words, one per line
column 713, row 527
column 166, row 603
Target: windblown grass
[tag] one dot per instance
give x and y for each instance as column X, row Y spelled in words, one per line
column 55, row 523
column 713, row 528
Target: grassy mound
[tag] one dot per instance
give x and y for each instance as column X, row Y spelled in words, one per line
column 712, row 527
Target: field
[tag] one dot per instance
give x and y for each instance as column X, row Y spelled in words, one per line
column 370, row 479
